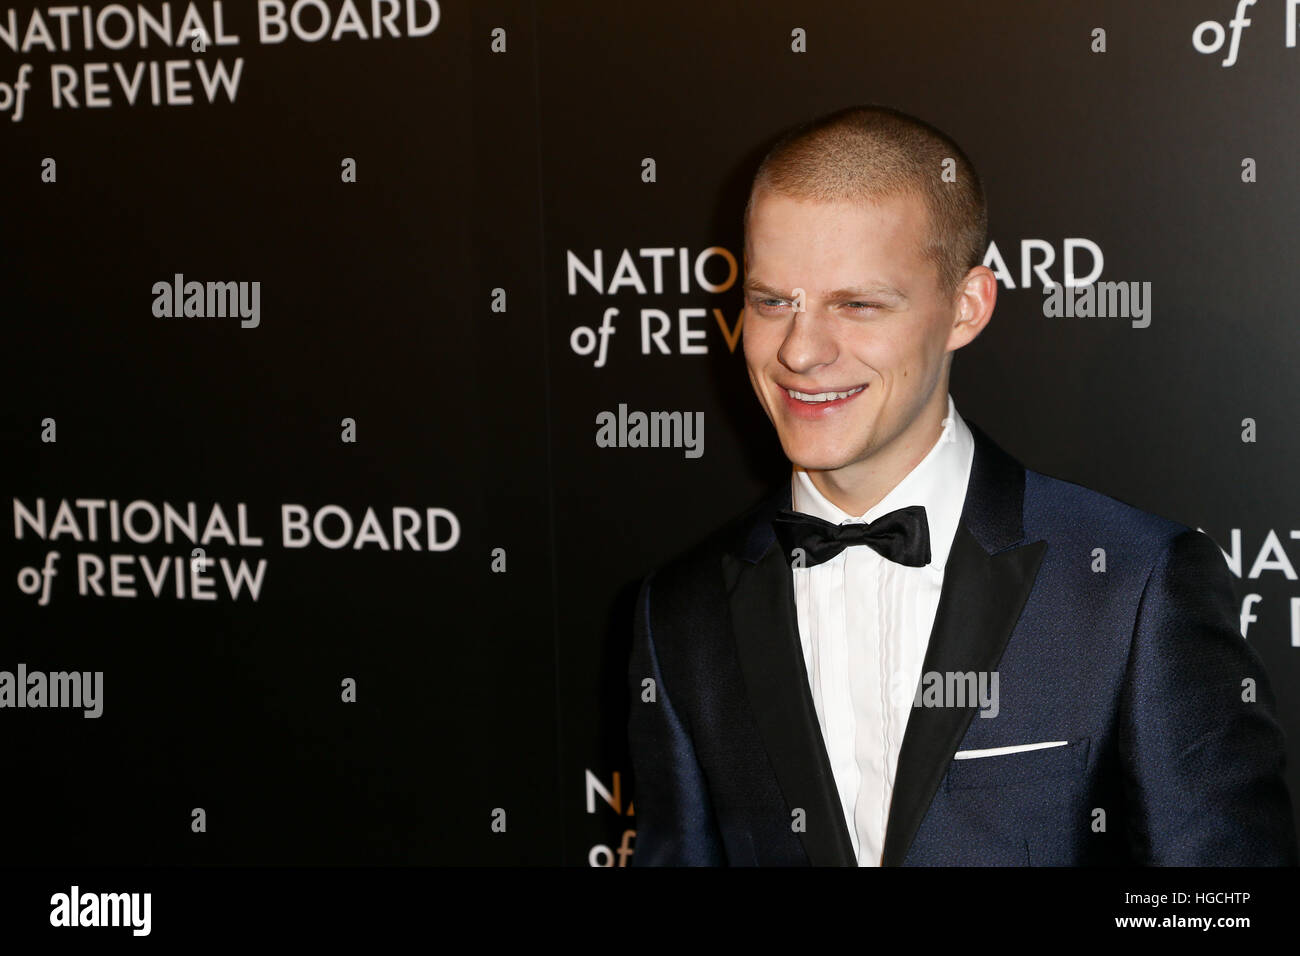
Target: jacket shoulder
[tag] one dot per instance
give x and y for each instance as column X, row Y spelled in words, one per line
column 1055, row 507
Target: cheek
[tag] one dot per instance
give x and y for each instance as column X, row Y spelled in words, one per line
column 878, row 353
column 753, row 363
column 899, row 356
column 758, row 344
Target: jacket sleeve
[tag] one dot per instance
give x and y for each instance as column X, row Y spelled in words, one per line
column 1201, row 751
column 674, row 816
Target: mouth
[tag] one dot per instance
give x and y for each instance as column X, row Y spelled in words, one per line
column 818, row 404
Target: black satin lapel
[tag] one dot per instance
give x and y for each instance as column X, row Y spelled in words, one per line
column 979, row 604
column 771, row 659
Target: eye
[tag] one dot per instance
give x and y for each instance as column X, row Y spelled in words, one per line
column 769, row 304
column 863, row 305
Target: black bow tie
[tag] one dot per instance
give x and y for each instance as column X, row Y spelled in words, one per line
column 902, row 536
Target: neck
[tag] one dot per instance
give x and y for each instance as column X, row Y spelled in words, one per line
column 858, row 487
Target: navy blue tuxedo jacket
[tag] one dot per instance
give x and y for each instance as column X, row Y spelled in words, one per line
column 1141, row 668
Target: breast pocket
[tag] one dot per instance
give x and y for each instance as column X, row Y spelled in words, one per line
column 1023, row 769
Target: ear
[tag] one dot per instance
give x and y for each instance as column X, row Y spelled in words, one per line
column 973, row 305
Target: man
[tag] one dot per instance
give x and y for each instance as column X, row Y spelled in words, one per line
column 917, row 652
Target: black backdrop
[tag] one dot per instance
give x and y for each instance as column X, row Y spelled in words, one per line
column 434, row 302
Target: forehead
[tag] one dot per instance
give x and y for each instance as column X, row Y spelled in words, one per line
column 836, row 242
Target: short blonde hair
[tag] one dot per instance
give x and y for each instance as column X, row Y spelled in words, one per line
column 867, row 153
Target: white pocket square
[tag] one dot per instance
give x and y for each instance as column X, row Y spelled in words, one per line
column 999, row 751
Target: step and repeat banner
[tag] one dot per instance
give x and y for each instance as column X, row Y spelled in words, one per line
column 332, row 330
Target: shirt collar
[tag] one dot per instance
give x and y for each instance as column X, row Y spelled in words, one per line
column 938, row 483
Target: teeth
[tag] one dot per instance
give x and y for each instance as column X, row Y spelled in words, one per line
column 823, row 396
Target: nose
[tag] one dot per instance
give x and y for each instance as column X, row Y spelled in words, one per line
column 808, row 343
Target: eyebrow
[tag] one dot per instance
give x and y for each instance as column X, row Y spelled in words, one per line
column 867, row 289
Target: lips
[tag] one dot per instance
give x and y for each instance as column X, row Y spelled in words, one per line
column 821, row 397
column 819, row 404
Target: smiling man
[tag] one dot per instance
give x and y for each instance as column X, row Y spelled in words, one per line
column 916, row 651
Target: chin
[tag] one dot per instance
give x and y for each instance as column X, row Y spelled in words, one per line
column 820, row 459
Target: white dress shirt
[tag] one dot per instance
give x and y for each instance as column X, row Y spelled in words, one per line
column 865, row 622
